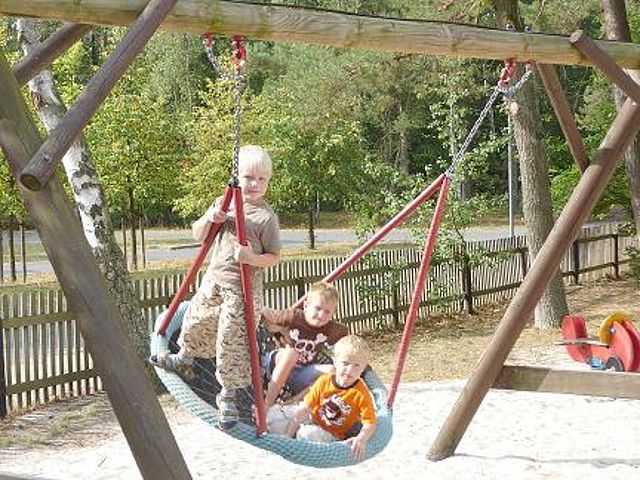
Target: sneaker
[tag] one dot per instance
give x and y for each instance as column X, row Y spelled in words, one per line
column 172, row 362
column 245, row 405
column 227, row 412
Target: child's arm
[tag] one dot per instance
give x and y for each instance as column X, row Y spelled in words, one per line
column 359, row 442
column 244, row 254
column 301, row 414
column 200, row 228
column 273, row 320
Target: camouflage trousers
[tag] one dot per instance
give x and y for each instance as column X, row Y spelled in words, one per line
column 214, row 325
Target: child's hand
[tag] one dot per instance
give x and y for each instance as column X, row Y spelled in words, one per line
column 243, row 253
column 215, row 214
column 358, row 446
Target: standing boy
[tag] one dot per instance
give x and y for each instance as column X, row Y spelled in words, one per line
column 214, row 323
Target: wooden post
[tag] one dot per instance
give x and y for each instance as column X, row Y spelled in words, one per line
column 467, row 284
column 524, row 261
column 565, row 230
column 3, row 383
column 563, row 111
column 300, row 286
column 39, row 168
column 395, row 300
column 616, row 256
column 142, row 243
column 23, row 252
column 575, row 256
column 12, row 250
column 130, row 391
column 278, row 23
column 124, row 240
column 607, row 64
column 44, row 55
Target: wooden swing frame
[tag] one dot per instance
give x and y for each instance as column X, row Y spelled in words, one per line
column 32, row 161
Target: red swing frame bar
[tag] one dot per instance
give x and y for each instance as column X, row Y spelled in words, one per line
column 441, row 184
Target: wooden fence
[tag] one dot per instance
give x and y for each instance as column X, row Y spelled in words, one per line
column 43, row 356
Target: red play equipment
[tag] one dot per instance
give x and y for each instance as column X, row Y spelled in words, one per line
column 617, row 346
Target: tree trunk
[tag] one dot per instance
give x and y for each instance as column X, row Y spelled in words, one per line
column 89, row 197
column 616, row 27
column 12, row 250
column 536, row 189
column 1, row 254
column 133, row 221
column 312, row 229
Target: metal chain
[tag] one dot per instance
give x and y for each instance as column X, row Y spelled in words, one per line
column 239, row 59
column 507, row 91
column 237, row 120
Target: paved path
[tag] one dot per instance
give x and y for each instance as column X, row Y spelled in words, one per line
column 290, row 239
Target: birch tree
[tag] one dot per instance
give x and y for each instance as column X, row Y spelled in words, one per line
column 89, row 196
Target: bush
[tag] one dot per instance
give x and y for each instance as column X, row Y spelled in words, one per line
column 634, row 257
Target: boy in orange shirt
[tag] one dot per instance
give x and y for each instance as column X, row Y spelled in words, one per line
column 337, row 402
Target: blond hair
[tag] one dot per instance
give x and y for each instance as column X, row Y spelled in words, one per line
column 352, row 345
column 255, row 158
column 324, row 290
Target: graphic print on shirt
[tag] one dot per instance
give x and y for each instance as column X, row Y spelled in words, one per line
column 333, row 410
column 306, row 349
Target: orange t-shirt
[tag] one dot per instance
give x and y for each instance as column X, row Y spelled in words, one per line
column 336, row 409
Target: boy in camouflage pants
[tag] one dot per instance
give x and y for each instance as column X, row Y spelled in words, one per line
column 214, row 323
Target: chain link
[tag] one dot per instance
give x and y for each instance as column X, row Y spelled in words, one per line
column 239, row 58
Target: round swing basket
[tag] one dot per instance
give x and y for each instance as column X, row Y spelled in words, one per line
column 303, row 452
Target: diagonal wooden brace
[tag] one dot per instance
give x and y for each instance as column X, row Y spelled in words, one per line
column 604, row 62
column 564, row 114
column 54, row 46
column 40, row 167
column 580, row 204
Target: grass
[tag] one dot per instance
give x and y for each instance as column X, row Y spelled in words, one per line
column 57, row 422
column 329, row 220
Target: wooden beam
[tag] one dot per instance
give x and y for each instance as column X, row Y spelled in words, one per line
column 54, row 46
column 567, row 121
column 40, row 167
column 130, row 391
column 3, row 383
column 584, row 197
column 597, row 384
column 605, row 63
column 304, row 25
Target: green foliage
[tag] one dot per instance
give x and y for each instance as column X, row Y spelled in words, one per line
column 302, row 118
column 206, row 170
column 634, row 261
column 360, row 130
column 137, row 149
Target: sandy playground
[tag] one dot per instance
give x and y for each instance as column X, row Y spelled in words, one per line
column 516, row 435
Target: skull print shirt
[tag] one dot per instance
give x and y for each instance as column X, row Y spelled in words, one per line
column 336, row 409
column 307, row 340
